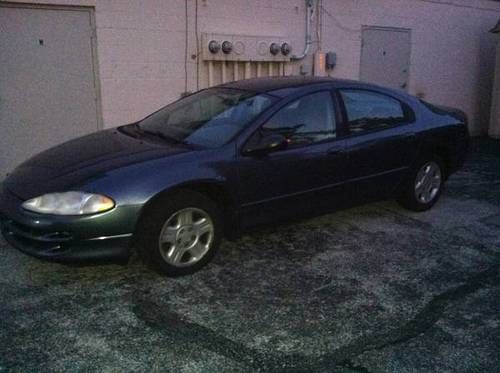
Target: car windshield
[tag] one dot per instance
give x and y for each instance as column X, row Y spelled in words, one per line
column 209, row 118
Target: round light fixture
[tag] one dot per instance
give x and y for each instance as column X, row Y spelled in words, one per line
column 227, row 47
column 274, row 48
column 213, row 46
column 285, row 49
column 239, row 47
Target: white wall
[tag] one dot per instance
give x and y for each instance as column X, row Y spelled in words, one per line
column 142, row 60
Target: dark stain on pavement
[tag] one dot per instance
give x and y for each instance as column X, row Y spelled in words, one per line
column 181, row 330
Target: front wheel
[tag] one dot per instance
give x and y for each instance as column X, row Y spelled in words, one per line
column 180, row 233
column 424, row 187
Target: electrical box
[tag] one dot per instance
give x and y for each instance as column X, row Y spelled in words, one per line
column 330, row 60
column 319, row 64
column 225, row 47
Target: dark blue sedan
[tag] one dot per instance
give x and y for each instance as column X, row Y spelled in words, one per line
column 224, row 160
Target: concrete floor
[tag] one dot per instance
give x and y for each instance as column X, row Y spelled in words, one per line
column 370, row 289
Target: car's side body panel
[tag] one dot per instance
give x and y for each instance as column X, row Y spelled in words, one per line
column 445, row 132
column 379, row 160
column 290, row 183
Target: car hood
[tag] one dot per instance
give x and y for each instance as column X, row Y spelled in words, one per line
column 70, row 164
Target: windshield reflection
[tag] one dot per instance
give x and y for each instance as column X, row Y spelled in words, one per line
column 209, row 118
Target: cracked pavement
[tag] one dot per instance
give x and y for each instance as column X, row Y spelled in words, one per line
column 370, row 289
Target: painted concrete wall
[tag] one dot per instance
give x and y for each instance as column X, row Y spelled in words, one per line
column 142, row 59
column 494, row 128
column 453, row 53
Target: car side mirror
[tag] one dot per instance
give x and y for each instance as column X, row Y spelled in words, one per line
column 266, row 144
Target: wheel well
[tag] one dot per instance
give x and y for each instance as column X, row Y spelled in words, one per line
column 444, row 155
column 215, row 192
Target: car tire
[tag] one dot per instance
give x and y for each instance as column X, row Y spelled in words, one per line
column 179, row 233
column 424, row 185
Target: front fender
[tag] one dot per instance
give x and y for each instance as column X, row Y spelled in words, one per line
column 138, row 183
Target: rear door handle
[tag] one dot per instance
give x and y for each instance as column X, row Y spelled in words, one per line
column 334, row 152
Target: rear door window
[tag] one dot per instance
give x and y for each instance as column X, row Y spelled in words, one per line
column 368, row 110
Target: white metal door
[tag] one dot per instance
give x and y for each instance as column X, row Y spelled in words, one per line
column 47, row 80
column 385, row 56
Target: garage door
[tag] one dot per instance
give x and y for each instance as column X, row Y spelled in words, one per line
column 48, row 89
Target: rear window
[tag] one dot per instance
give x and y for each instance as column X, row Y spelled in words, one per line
column 432, row 107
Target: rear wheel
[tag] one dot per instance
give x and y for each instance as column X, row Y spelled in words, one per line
column 180, row 233
column 424, row 187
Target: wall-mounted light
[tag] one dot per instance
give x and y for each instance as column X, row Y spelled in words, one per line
column 227, row 47
column 213, row 46
column 285, row 49
column 274, row 48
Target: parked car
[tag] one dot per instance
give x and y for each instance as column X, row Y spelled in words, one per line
column 227, row 159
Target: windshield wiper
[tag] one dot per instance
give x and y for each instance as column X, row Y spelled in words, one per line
column 162, row 136
column 130, row 130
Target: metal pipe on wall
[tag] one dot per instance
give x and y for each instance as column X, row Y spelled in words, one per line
column 224, row 73
column 210, row 73
column 235, row 70
column 308, row 41
column 248, row 70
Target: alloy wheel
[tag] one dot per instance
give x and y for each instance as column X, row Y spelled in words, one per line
column 428, row 182
column 186, row 237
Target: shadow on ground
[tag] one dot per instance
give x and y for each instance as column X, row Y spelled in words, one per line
column 370, row 289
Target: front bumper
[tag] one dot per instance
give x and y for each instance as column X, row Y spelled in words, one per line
column 60, row 238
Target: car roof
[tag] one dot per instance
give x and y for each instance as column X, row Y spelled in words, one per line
column 276, row 83
column 281, row 85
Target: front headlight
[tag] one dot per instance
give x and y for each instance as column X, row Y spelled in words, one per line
column 69, row 203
